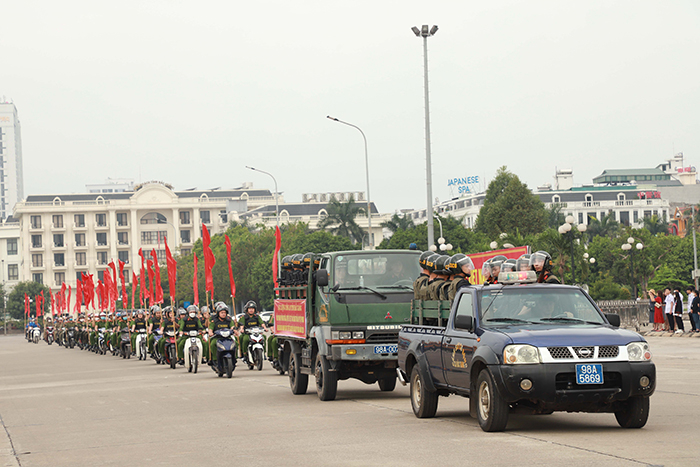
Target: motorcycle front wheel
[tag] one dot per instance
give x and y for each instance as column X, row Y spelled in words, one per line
column 228, row 361
column 258, row 358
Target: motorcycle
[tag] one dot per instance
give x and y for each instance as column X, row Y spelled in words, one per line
column 35, row 335
column 125, row 344
column 49, row 335
column 170, row 348
column 193, row 351
column 155, row 355
column 101, row 341
column 141, row 343
column 226, row 352
column 256, row 347
column 70, row 338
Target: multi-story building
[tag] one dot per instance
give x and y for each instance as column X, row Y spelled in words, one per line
column 10, row 258
column 65, row 235
column 11, row 175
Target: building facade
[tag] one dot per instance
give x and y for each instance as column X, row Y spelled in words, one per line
column 10, row 257
column 11, row 172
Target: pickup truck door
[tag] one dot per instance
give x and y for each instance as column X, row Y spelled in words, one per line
column 458, row 346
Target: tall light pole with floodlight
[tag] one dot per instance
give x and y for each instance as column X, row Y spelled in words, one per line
column 628, row 247
column 567, row 227
column 426, row 32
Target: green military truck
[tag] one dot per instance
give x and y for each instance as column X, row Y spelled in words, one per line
column 344, row 323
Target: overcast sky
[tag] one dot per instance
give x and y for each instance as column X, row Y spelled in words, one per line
column 190, row 92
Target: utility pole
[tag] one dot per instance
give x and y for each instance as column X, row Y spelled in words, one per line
column 695, row 251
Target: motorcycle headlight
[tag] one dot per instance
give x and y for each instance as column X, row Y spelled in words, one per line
column 638, row 352
column 521, row 354
column 225, row 333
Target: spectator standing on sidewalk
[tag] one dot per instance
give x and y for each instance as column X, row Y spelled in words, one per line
column 658, row 310
column 669, row 303
column 678, row 311
column 694, row 309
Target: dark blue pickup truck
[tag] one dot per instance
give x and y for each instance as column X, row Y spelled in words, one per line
column 522, row 346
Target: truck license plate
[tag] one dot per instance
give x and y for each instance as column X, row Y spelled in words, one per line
column 589, row 373
column 382, row 349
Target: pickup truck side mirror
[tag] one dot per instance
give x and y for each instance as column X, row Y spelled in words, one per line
column 613, row 319
column 322, row 278
column 465, row 322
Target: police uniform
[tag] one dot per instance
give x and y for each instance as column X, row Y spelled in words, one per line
column 215, row 325
column 247, row 321
column 433, row 289
column 419, row 284
column 187, row 325
column 456, row 284
column 549, row 278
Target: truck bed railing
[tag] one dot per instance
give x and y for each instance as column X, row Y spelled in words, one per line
column 430, row 312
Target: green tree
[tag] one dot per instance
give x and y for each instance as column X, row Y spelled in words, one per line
column 341, row 219
column 463, row 240
column 607, row 226
column 397, row 223
column 510, row 207
column 555, row 217
column 607, row 289
column 15, row 301
column 656, row 225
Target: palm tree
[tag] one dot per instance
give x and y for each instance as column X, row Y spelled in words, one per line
column 607, row 226
column 397, row 223
column 341, row 219
column 655, row 225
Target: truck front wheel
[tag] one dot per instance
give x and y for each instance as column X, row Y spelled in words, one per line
column 424, row 402
column 297, row 381
column 491, row 409
column 635, row 412
column 326, row 380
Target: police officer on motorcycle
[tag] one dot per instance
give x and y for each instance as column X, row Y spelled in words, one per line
column 188, row 323
column 221, row 320
column 249, row 319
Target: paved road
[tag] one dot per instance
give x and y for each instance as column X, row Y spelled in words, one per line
column 70, row 408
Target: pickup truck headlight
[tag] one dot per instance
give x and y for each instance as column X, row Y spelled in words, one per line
column 638, row 352
column 521, row 354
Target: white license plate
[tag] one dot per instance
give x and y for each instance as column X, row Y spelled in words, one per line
column 589, row 373
column 382, row 349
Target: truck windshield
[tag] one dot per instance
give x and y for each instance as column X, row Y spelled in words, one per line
column 511, row 305
column 376, row 271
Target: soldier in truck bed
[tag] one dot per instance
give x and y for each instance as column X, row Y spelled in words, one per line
column 422, row 292
column 441, row 275
column 461, row 267
column 424, row 275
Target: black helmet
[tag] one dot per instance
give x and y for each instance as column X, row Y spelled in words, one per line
column 306, row 260
column 155, row 308
column 541, row 257
column 509, row 265
column 221, row 306
column 496, row 262
column 486, row 269
column 430, row 262
column 457, row 262
column 287, row 262
column 425, row 255
column 523, row 263
column 297, row 260
column 181, row 311
column 317, row 262
column 441, row 264
column 250, row 304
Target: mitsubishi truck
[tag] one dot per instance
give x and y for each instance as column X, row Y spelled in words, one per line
column 344, row 323
column 525, row 347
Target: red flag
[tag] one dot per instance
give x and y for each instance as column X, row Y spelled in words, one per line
column 227, row 242
column 43, row 301
column 278, row 245
column 142, row 274
column 53, row 308
column 134, row 281
column 38, row 306
column 100, row 291
column 125, row 296
column 26, row 305
column 172, row 271
column 150, row 290
column 70, row 289
column 209, row 261
column 62, row 308
column 157, row 287
column 114, row 290
column 194, row 281
column 106, row 287
column 78, row 296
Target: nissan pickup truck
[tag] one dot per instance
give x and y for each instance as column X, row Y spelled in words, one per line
column 526, row 347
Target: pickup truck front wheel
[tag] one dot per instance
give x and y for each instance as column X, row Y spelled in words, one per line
column 424, row 402
column 491, row 409
column 635, row 412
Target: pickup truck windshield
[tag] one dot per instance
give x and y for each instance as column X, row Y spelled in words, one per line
column 520, row 305
column 375, row 271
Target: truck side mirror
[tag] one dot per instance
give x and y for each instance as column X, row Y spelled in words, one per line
column 465, row 322
column 322, row 278
column 613, row 319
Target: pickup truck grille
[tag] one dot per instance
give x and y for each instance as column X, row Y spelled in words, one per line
column 383, row 338
column 584, row 352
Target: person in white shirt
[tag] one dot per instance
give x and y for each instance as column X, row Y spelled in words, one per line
column 669, row 303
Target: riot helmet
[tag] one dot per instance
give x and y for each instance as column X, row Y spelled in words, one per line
column 541, row 261
column 460, row 264
column 509, row 265
column 523, row 263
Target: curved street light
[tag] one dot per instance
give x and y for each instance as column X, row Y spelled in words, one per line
column 567, row 227
column 628, row 247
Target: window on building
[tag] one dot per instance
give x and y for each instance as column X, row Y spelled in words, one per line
column 79, row 275
column 589, row 198
column 121, row 219
column 224, row 216
column 153, row 238
column 205, row 216
column 101, row 258
column 154, row 218
column 59, row 278
column 185, row 251
column 38, row 277
column 36, row 241
column 620, row 196
column 11, row 246
column 556, row 199
column 12, row 272
column 647, row 213
column 101, row 275
column 59, row 259
column 591, row 216
column 124, row 256
column 58, row 240
column 79, row 220
column 80, row 239
column 580, row 218
column 57, row 220
column 625, row 218
column 123, row 238
column 185, row 217
column 81, row 258
column 185, row 236
column 160, row 254
column 635, row 215
column 35, row 222
column 37, row 260
column 102, row 238
column 101, row 220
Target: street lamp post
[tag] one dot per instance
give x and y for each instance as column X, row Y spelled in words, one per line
column 441, row 241
column 628, row 247
column 425, row 32
column 567, row 227
column 370, row 241
column 277, row 206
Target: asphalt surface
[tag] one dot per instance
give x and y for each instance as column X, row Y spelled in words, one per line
column 64, row 407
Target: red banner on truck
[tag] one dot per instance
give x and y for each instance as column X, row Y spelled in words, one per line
column 290, row 318
column 480, row 258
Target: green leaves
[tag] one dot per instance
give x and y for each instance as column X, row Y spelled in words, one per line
column 341, row 219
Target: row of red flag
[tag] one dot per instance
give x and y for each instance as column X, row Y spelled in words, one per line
column 106, row 291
